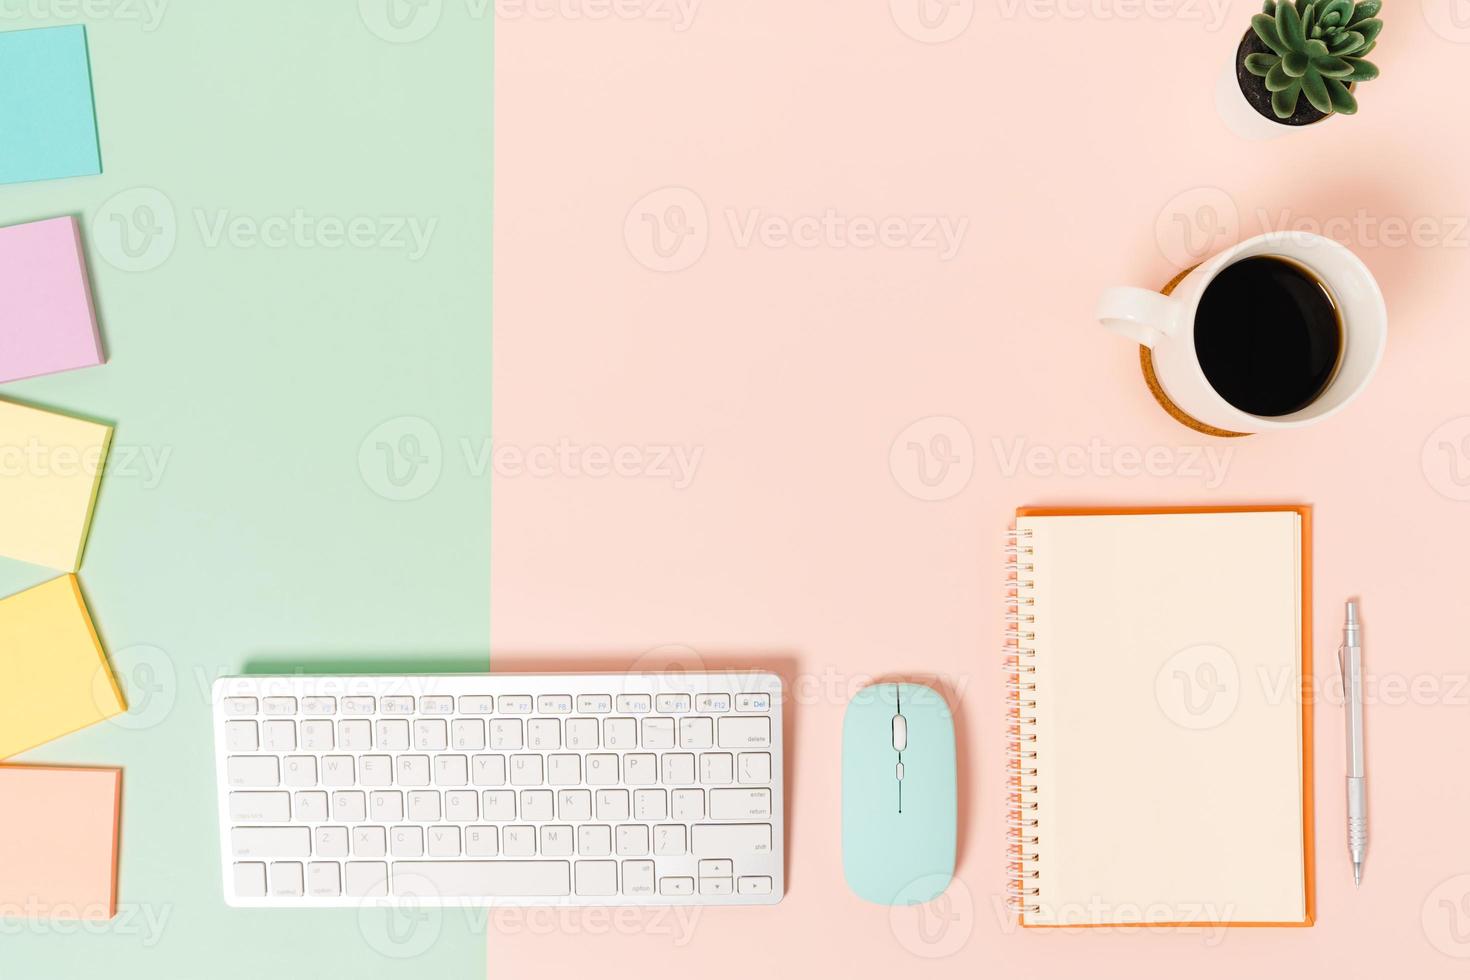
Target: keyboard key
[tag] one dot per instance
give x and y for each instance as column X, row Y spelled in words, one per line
column 386, row 805
column 253, row 771
column 476, row 704
column 717, row 886
column 525, row 770
column 331, row 842
column 739, row 804
column 594, row 704
column 413, row 770
column 451, row 770
column 358, row 706
column 430, row 734
column 311, row 806
column 670, row 840
column 564, row 770
column 250, row 880
column 287, row 879
column 537, row 805
column 406, row 842
column 488, row 770
column 518, row 840
column 367, row 879
column 676, row 886
column 741, row 733
column 594, row 840
column 515, row 704
column 696, row 733
column 324, row 879
column 640, row 769
column 349, row 806
column 241, row 736
column 632, row 840
column 582, row 733
column 270, row 842
column 731, row 840
column 436, row 705
column 716, row 768
column 602, row 770
column 574, row 805
column 319, row 706
column 355, row 735
column 278, row 736
column 716, row 868
column 752, row 702
column 397, row 705
column 482, row 841
column 620, row 733
column 611, row 804
column 597, row 878
column 467, row 733
column 672, row 703
column 498, row 804
column 425, row 806
column 260, row 807
column 687, row 805
column 339, row 770
column 278, row 707
column 493, row 879
column 754, row 767
column 543, row 734
column 658, row 733
column 638, row 878
column 300, row 770
column 392, row 734
column 462, row 805
column 507, row 733
column 240, row 707
column 634, row 704
column 369, row 842
column 556, row 840
column 444, row 842
column 554, row 704
column 650, row 804
column 753, row 885
column 712, row 702
column 316, row 736
column 375, row 770
column 678, row 768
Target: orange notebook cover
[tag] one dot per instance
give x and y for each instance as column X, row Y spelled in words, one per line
column 1160, row 717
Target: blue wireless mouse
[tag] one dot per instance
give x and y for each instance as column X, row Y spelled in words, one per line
column 898, row 794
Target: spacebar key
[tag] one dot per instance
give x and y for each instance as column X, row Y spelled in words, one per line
column 484, row 879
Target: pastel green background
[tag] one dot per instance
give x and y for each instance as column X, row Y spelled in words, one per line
column 269, row 386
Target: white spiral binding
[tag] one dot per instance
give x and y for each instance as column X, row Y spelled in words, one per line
column 1023, row 823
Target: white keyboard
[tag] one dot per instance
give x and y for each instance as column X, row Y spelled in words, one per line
column 501, row 789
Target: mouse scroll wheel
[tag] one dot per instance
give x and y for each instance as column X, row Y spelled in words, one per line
column 900, row 733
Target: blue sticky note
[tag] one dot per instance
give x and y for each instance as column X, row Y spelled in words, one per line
column 48, row 126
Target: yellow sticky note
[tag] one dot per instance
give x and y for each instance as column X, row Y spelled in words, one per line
column 54, row 677
column 50, row 468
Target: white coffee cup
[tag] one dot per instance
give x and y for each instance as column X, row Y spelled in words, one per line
column 1165, row 325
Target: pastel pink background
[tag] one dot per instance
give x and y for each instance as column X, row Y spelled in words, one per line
column 1079, row 148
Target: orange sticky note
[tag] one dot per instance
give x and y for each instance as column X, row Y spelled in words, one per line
column 58, row 842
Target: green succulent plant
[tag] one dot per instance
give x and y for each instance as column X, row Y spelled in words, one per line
column 1317, row 49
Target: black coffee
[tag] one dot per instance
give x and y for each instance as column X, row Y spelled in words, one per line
column 1268, row 335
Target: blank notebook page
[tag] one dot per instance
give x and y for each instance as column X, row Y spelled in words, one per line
column 1168, row 718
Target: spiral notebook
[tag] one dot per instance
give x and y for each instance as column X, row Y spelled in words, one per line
column 1161, row 753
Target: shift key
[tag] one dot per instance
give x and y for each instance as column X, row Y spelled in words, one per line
column 731, row 840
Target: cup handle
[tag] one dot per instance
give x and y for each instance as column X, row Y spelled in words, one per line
column 1141, row 315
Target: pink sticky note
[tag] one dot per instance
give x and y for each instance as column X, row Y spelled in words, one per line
column 58, row 842
column 47, row 322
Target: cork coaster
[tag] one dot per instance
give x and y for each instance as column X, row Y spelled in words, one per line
column 1146, row 359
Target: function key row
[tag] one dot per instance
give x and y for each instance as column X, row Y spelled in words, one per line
column 484, row 704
